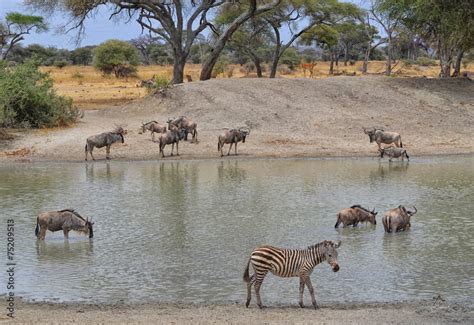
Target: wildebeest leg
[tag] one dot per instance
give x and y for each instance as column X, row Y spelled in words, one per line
column 177, row 151
column 90, row 151
column 66, row 233
column 228, row 152
column 311, row 292
column 172, row 148
column 249, row 290
column 153, row 136
column 107, row 152
column 302, row 283
column 42, row 233
column 235, row 147
column 162, row 151
column 258, row 283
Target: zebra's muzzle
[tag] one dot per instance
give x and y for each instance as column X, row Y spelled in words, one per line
column 335, row 267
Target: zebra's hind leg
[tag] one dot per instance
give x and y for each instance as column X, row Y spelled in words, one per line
column 302, row 283
column 258, row 283
column 311, row 291
column 249, row 290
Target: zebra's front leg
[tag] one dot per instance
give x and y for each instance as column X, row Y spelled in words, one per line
column 302, row 283
column 249, row 290
column 311, row 292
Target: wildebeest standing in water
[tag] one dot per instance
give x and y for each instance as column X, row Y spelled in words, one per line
column 380, row 136
column 354, row 215
column 65, row 220
column 105, row 139
column 397, row 219
column 232, row 136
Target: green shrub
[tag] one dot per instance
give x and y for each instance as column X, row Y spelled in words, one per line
column 220, row 65
column 117, row 57
column 60, row 63
column 425, row 61
column 27, row 99
column 160, row 83
column 290, row 58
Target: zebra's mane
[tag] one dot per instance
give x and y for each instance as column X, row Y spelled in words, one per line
column 74, row 213
column 318, row 245
column 362, row 208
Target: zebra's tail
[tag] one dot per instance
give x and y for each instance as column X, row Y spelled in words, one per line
column 37, row 228
column 246, row 276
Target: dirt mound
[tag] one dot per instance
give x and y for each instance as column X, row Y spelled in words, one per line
column 288, row 118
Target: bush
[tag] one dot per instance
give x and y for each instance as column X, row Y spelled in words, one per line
column 425, row 61
column 27, row 99
column 290, row 58
column 159, row 84
column 117, row 57
column 60, row 63
column 220, row 66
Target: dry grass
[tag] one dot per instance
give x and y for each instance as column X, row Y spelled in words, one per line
column 90, row 90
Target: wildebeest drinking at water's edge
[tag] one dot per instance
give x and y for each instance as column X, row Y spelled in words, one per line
column 354, row 215
column 65, row 220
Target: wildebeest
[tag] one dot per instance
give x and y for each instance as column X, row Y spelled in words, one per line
column 171, row 137
column 185, row 123
column 153, row 126
column 289, row 263
column 380, row 136
column 65, row 220
column 232, row 136
column 104, row 140
column 354, row 215
column 393, row 152
column 397, row 219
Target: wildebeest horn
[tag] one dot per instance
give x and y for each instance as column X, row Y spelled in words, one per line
column 414, row 207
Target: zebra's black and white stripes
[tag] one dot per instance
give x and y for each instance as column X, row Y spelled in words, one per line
column 289, row 263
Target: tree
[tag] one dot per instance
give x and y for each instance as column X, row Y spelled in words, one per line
column 326, row 37
column 82, row 55
column 15, row 27
column 350, row 35
column 371, row 36
column 117, row 57
column 448, row 25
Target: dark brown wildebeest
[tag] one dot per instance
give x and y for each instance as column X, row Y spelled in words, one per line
column 380, row 136
column 65, row 220
column 171, row 137
column 105, row 139
column 289, row 263
column 393, row 152
column 153, row 126
column 354, row 215
column 397, row 219
column 232, row 136
column 185, row 123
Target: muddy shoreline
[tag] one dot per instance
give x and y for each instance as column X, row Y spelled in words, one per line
column 428, row 311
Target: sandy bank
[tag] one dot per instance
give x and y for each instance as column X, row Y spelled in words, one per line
column 288, row 118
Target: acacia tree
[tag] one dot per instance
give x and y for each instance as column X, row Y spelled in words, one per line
column 373, row 40
column 15, row 27
column 326, row 37
column 448, row 25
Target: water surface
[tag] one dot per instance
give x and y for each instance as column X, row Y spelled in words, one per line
column 183, row 231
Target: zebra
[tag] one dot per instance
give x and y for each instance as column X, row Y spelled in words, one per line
column 289, row 263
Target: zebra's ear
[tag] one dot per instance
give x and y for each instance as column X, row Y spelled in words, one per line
column 337, row 244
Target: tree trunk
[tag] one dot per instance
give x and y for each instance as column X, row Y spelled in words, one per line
column 331, row 65
column 445, row 59
column 211, row 60
column 457, row 64
column 365, row 65
column 256, row 60
column 346, row 56
column 388, row 69
column 276, row 58
column 178, row 67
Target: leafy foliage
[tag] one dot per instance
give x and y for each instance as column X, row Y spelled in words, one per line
column 27, row 98
column 117, row 57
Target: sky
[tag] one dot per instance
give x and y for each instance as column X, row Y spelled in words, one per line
column 98, row 29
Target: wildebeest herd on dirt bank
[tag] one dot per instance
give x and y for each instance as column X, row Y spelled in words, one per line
column 279, row 261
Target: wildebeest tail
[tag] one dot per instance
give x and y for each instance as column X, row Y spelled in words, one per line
column 37, row 228
column 246, row 276
column 218, row 145
column 406, row 154
column 338, row 220
column 401, row 144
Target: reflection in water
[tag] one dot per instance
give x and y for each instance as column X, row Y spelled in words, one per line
column 183, row 231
